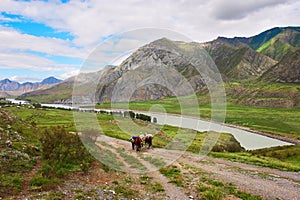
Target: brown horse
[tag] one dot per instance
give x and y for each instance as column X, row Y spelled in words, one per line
column 148, row 140
column 138, row 143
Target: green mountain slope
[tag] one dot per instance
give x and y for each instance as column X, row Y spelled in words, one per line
column 275, row 42
column 286, row 71
column 283, row 43
column 238, row 62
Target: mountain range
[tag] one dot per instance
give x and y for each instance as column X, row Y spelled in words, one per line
column 14, row 88
column 263, row 70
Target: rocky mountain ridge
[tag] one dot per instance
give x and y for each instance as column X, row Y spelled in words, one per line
column 14, row 88
column 172, row 68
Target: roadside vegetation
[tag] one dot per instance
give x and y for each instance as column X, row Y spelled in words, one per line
column 19, row 150
column 285, row 158
column 62, row 153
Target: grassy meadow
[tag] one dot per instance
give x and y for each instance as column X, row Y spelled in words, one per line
column 122, row 128
column 277, row 121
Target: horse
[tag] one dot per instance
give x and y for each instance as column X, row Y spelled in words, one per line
column 148, row 140
column 136, row 141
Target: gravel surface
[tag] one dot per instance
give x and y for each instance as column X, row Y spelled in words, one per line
column 266, row 182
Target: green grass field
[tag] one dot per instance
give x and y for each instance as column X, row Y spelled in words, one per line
column 121, row 128
column 277, row 121
column 282, row 158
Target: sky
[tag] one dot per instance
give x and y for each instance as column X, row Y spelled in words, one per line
column 39, row 39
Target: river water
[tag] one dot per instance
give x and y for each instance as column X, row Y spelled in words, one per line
column 247, row 139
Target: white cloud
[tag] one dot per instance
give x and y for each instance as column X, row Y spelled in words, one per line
column 236, row 10
column 25, row 61
column 91, row 21
column 22, row 79
column 68, row 74
column 23, row 51
column 13, row 40
column 6, row 19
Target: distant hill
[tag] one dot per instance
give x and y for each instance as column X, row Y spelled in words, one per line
column 237, row 62
column 13, row 88
column 269, row 57
column 8, row 85
column 275, row 43
column 286, row 71
column 50, row 80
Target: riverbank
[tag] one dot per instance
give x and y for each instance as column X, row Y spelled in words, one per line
column 275, row 121
column 277, row 137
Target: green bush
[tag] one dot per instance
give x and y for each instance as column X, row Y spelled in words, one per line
column 173, row 174
column 127, row 192
column 62, row 152
column 40, row 182
column 143, row 117
column 212, row 194
column 157, row 187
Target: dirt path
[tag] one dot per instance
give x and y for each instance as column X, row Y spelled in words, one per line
column 266, row 182
column 26, row 184
column 171, row 190
column 256, row 181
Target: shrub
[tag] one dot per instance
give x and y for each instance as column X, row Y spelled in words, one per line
column 212, row 194
column 143, row 117
column 173, row 174
column 157, row 187
column 37, row 105
column 62, row 152
column 43, row 183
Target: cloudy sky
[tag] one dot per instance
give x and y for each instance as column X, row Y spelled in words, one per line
column 52, row 38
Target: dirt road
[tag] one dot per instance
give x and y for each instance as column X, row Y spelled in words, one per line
column 265, row 182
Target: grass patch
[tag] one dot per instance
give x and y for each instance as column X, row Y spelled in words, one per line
column 126, row 192
column 38, row 182
column 211, row 188
column 266, row 158
column 212, row 193
column 173, row 174
column 157, row 162
column 165, row 134
column 131, row 160
column 157, row 187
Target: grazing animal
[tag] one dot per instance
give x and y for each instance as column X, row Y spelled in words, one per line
column 136, row 141
column 148, row 140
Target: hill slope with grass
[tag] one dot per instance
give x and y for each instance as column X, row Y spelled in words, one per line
column 287, row 70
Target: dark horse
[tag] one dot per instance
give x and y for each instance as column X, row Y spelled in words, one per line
column 148, row 140
column 136, row 141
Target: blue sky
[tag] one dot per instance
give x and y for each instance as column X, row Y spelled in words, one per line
column 53, row 38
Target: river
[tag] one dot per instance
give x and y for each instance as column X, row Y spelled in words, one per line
column 247, row 139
